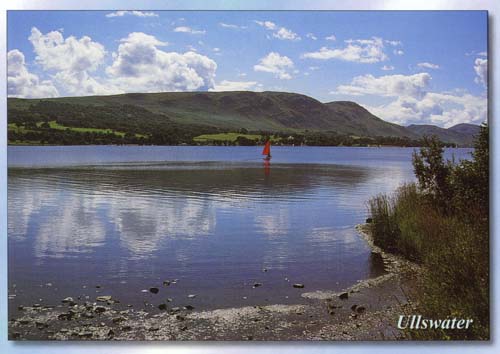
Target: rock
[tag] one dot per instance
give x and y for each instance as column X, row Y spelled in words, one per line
column 256, row 285
column 192, row 296
column 154, row 290
column 85, row 334
column 189, row 307
column 65, row 316
column 126, row 328
column 119, row 319
column 111, row 333
column 23, row 321
column 20, row 307
column 41, row 324
column 183, row 328
column 154, row 329
column 37, row 305
column 166, row 282
column 169, row 299
column 99, row 309
column 175, row 309
column 299, row 286
column 369, row 220
column 88, row 315
column 353, row 307
column 162, row 307
column 331, row 312
column 344, row 296
column 180, row 317
column 15, row 335
column 104, row 298
column 361, row 309
column 264, row 270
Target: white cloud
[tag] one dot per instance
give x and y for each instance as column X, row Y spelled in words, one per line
column 481, row 69
column 267, row 24
column 311, row 36
column 331, row 38
column 286, row 34
column 387, row 68
column 279, row 32
column 398, row 52
column 227, row 85
column 275, row 64
column 357, row 50
column 393, row 43
column 140, row 66
column 231, row 26
column 22, row 83
column 71, row 59
column 427, row 65
column 413, row 103
column 442, row 109
column 132, row 13
column 187, row 29
column 388, row 85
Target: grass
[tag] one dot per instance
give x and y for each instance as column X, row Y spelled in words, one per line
column 454, row 254
column 54, row 125
column 225, row 137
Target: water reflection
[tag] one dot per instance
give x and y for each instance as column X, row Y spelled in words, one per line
column 203, row 222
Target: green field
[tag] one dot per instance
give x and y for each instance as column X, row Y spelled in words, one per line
column 224, row 137
column 54, row 125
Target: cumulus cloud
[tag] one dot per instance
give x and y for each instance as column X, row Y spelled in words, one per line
column 387, row 68
column 141, row 66
column 413, row 103
column 426, row 65
column 186, row 29
column 443, row 109
column 227, row 85
column 388, row 85
column 481, row 69
column 131, row 13
column 71, row 59
column 398, row 52
column 276, row 64
column 22, row 83
column 357, row 50
column 331, row 38
column 279, row 32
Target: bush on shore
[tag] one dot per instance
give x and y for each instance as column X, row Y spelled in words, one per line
column 442, row 222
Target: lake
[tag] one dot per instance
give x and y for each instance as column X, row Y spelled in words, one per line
column 85, row 221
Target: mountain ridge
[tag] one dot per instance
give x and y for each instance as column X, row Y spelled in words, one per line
column 254, row 111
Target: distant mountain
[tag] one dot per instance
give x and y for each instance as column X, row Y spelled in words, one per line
column 232, row 111
column 461, row 134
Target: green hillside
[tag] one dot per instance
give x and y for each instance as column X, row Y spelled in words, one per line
column 180, row 117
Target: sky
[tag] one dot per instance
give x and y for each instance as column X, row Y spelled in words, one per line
column 407, row 67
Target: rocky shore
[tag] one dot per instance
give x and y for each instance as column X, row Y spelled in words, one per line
column 368, row 310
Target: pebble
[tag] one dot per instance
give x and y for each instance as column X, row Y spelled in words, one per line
column 154, row 290
column 256, row 285
column 104, row 298
column 298, row 286
column 191, row 296
column 162, row 307
column 344, row 296
column 166, row 282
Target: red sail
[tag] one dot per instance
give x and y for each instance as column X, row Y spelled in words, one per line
column 267, row 148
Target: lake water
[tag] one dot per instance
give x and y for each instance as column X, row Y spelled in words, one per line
column 114, row 220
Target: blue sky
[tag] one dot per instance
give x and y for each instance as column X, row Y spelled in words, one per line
column 406, row 67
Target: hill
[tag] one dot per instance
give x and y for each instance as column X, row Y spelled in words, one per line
column 188, row 113
column 461, row 134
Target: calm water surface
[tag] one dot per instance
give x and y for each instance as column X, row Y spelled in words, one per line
column 216, row 218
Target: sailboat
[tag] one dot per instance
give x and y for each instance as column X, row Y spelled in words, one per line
column 267, row 151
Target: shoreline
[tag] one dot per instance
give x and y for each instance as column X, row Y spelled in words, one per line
column 367, row 310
